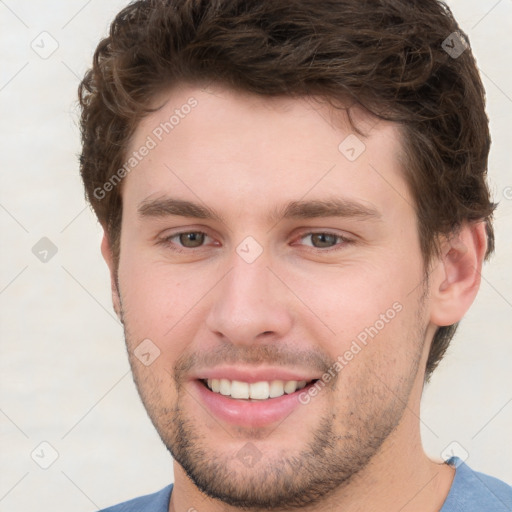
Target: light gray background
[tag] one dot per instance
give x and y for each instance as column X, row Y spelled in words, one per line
column 64, row 373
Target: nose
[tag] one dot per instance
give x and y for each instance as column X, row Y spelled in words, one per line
column 250, row 305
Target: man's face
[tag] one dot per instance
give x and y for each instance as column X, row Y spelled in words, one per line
column 300, row 260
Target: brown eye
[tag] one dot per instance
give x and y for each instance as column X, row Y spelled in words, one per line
column 323, row 240
column 192, row 239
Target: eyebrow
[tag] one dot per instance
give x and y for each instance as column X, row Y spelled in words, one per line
column 163, row 207
column 332, row 207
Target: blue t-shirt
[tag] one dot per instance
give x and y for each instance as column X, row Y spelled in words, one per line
column 470, row 492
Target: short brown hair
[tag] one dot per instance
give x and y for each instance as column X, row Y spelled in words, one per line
column 389, row 56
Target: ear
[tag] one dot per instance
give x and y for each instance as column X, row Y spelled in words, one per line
column 108, row 256
column 455, row 281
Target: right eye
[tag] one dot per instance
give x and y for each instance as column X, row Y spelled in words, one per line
column 185, row 240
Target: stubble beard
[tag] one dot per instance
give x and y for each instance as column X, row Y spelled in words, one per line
column 339, row 448
column 337, row 451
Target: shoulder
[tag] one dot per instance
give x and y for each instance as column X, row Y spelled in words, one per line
column 475, row 492
column 156, row 502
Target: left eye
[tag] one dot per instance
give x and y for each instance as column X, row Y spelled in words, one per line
column 322, row 240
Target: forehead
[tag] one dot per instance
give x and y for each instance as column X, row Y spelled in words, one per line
column 241, row 152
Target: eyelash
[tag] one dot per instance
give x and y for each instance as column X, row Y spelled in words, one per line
column 342, row 241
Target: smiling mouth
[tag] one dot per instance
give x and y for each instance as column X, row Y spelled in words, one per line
column 263, row 390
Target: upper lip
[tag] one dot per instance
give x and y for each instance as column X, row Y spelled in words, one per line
column 254, row 374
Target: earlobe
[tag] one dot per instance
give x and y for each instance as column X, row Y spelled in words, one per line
column 108, row 256
column 456, row 279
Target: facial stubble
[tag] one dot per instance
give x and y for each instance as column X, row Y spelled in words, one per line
column 338, row 449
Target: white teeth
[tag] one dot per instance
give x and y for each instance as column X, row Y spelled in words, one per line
column 256, row 390
column 259, row 390
column 290, row 387
column 225, row 387
column 239, row 389
column 276, row 388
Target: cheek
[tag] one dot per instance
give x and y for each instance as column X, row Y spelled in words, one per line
column 162, row 302
column 368, row 316
column 353, row 296
column 151, row 298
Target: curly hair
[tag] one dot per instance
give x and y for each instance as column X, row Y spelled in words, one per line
column 391, row 57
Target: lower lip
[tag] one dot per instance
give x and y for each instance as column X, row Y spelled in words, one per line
column 249, row 413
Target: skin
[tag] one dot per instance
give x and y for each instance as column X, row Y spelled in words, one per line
column 296, row 306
